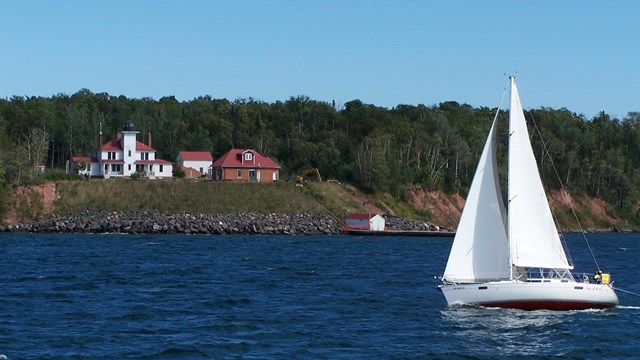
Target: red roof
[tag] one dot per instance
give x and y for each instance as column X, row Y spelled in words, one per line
column 195, row 155
column 360, row 216
column 115, row 144
column 234, row 159
column 140, row 146
column 84, row 159
column 111, row 145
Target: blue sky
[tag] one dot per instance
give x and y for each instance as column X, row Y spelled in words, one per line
column 582, row 55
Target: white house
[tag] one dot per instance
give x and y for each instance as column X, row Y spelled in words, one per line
column 201, row 161
column 365, row 222
column 124, row 156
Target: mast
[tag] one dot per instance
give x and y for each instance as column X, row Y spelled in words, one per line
column 512, row 79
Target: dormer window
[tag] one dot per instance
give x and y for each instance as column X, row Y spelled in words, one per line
column 248, row 156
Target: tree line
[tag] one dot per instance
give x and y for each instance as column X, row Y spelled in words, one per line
column 379, row 149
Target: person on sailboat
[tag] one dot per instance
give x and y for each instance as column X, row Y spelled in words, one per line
column 597, row 278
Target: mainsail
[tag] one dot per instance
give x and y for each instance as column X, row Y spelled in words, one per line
column 531, row 229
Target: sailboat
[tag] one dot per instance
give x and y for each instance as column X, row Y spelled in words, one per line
column 511, row 255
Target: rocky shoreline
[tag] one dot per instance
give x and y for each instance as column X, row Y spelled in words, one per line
column 148, row 222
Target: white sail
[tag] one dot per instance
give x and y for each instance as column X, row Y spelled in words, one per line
column 491, row 250
column 480, row 250
column 532, row 231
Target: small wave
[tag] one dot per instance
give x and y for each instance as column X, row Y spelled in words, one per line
column 626, row 307
column 151, row 243
column 588, row 311
column 280, row 268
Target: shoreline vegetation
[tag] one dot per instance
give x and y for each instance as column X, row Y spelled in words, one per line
column 281, row 208
column 188, row 207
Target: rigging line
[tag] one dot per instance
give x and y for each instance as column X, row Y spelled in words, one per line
column 627, row 291
column 504, row 93
column 564, row 191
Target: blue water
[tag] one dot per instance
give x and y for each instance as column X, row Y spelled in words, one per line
column 220, row 297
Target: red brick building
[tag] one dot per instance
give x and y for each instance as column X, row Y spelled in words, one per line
column 245, row 165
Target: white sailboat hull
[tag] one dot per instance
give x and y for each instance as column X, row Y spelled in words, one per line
column 550, row 294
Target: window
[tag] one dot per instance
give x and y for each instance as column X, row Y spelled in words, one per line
column 201, row 170
column 248, row 156
column 239, row 173
column 129, row 155
column 129, row 167
column 161, row 167
column 146, row 156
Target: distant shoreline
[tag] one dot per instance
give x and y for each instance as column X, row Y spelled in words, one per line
column 246, row 223
column 149, row 222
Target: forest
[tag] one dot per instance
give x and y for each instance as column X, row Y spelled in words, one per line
column 375, row 148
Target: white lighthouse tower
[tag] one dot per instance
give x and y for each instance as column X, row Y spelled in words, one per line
column 129, row 139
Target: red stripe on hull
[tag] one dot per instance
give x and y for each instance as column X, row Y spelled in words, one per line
column 549, row 305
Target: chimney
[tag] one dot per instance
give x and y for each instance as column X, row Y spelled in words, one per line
column 149, row 139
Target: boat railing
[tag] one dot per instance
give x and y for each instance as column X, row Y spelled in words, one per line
column 543, row 274
column 589, row 278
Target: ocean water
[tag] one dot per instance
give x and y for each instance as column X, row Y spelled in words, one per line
column 284, row 297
